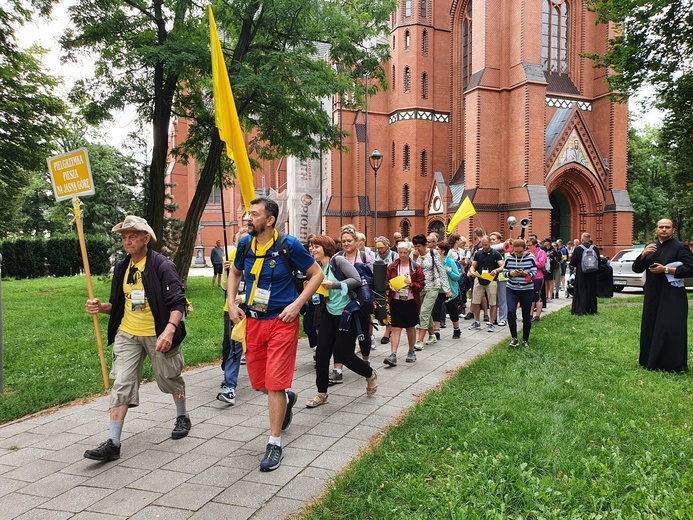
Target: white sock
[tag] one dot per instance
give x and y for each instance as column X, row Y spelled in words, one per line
column 338, row 370
column 275, row 440
column 115, row 430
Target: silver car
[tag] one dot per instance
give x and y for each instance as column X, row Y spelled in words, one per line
column 622, row 264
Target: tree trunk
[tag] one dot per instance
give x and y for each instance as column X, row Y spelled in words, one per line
column 186, row 247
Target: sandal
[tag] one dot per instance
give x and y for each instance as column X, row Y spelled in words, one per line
column 317, row 401
column 372, row 383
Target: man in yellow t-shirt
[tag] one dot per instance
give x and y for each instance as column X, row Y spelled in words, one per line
column 146, row 311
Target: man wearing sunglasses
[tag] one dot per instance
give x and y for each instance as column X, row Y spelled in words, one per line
column 146, row 311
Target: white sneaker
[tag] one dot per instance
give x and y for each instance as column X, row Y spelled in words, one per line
column 431, row 340
column 419, row 346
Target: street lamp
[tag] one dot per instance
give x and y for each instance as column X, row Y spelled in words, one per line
column 376, row 159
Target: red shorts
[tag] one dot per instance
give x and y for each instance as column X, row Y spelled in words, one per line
column 270, row 355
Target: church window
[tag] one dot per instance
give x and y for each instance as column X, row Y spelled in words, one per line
column 407, row 80
column 394, row 77
column 407, row 39
column 424, row 8
column 405, row 158
column 424, row 86
column 405, row 196
column 393, row 154
column 404, row 227
column 467, row 45
column 554, row 33
column 393, row 42
column 407, row 8
column 424, row 163
column 424, row 43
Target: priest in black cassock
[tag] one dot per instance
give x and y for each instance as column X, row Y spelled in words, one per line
column 585, row 286
column 663, row 331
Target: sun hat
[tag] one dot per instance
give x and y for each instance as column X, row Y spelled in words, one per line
column 133, row 223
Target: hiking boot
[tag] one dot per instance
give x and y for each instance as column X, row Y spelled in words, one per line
column 525, row 344
column 391, row 360
column 469, row 316
column 182, row 427
column 228, row 396
column 437, row 333
column 411, row 356
column 289, row 415
column 456, row 334
column 336, row 378
column 419, row 346
column 431, row 340
column 272, row 459
column 474, row 326
column 491, row 328
column 514, row 343
column 106, row 452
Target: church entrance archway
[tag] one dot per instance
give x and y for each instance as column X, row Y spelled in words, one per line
column 560, row 216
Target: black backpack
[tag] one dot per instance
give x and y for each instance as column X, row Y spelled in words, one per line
column 283, row 251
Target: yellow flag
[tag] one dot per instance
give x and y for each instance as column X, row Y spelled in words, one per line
column 465, row 210
column 227, row 117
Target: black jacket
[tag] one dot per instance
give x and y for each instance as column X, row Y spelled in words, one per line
column 163, row 290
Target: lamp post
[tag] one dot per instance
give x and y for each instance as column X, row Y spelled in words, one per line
column 376, row 159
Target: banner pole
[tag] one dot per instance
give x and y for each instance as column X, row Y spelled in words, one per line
column 77, row 210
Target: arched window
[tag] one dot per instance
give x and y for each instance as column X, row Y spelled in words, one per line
column 405, row 196
column 467, row 45
column 407, row 79
column 407, row 39
column 554, row 36
column 394, row 77
column 405, row 158
column 393, row 154
column 407, row 8
column 405, row 227
column 424, row 43
column 424, row 86
column 393, row 42
column 423, row 9
column 424, row 163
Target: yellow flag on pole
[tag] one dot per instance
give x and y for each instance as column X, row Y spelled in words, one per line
column 227, row 118
column 465, row 211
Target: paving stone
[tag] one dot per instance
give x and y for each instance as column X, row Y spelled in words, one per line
column 53, row 485
column 35, row 470
column 160, row 481
column 248, row 494
column 189, row 496
column 116, row 477
column 77, row 499
column 124, row 502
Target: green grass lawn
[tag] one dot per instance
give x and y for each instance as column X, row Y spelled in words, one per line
column 572, row 428
column 50, row 350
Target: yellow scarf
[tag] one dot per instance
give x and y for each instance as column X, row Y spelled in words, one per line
column 260, row 252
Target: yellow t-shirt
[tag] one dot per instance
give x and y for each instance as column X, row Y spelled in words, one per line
column 138, row 319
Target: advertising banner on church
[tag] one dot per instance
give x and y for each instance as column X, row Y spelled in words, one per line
column 303, row 187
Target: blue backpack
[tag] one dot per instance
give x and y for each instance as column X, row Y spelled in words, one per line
column 364, row 295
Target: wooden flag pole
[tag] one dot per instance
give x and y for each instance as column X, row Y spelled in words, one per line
column 77, row 210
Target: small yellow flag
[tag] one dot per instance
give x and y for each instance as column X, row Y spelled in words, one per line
column 227, row 118
column 238, row 332
column 465, row 211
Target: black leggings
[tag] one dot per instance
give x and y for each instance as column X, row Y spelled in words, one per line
column 341, row 343
column 524, row 297
column 450, row 306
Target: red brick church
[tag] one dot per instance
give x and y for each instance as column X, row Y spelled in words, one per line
column 491, row 100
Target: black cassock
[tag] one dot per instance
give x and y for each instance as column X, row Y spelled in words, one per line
column 585, row 286
column 663, row 331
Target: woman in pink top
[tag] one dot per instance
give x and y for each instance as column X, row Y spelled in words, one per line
column 539, row 294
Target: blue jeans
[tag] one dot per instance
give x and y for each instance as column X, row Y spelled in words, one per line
column 231, row 364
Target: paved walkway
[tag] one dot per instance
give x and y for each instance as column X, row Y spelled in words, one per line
column 214, row 472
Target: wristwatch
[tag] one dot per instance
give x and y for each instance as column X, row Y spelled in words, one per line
column 666, row 270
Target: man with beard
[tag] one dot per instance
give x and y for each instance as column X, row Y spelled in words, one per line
column 273, row 305
column 663, row 330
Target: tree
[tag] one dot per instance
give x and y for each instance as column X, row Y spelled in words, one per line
column 650, row 182
column 157, row 57
column 29, row 125
column 653, row 45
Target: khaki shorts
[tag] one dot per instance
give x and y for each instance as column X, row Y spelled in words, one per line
column 129, row 353
column 489, row 290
